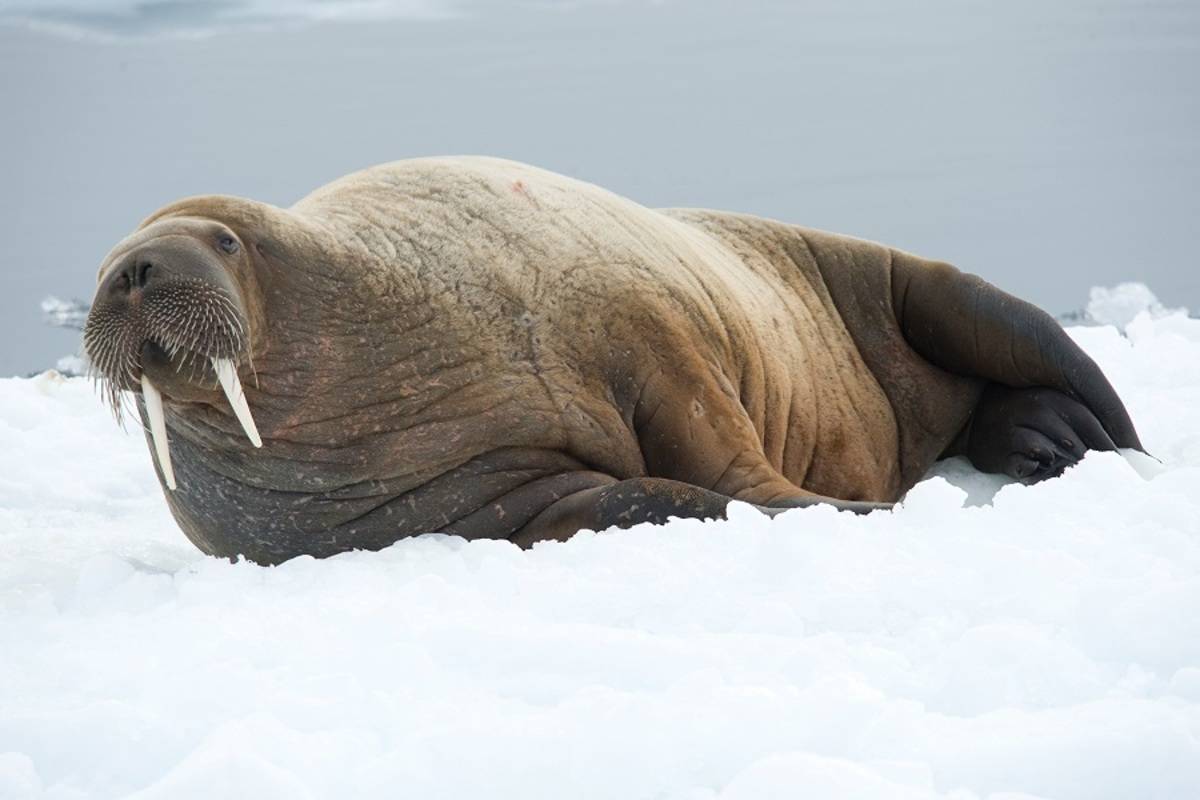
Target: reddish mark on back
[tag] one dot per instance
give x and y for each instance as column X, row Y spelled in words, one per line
column 519, row 187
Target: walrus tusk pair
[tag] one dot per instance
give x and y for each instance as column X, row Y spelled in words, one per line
column 232, row 387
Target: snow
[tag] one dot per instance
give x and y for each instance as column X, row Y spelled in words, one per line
column 986, row 640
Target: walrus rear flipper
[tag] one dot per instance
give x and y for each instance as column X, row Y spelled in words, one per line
column 965, row 325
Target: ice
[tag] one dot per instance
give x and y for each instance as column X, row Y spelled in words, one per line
column 1122, row 304
column 984, row 641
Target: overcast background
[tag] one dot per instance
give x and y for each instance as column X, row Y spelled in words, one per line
column 1048, row 146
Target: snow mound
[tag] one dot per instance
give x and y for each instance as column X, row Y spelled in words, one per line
column 986, row 640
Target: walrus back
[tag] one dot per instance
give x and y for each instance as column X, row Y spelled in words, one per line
column 599, row 277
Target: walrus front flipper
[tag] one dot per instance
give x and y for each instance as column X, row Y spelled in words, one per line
column 965, row 325
column 623, row 504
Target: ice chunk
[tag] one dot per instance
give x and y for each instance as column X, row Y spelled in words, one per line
column 1121, row 304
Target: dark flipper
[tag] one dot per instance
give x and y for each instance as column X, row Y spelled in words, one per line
column 623, row 504
column 965, row 325
column 1031, row 434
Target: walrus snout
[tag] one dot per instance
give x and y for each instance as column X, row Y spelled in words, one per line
column 164, row 261
column 168, row 319
column 170, row 295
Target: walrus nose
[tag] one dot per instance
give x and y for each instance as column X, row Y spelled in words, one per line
column 137, row 274
column 134, row 274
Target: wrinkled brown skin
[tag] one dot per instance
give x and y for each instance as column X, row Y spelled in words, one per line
column 487, row 349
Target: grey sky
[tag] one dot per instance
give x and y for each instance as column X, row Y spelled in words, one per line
column 1046, row 146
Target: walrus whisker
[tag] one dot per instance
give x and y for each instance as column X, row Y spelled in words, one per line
column 125, row 405
column 190, row 322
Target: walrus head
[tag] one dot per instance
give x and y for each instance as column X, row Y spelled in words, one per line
column 174, row 314
column 222, row 317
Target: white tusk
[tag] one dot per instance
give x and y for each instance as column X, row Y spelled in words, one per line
column 158, row 430
column 227, row 375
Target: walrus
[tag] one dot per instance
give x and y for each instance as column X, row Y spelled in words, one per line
column 486, row 349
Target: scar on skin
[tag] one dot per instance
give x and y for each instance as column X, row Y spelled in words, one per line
column 519, row 187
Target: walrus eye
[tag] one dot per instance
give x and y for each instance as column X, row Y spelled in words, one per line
column 228, row 244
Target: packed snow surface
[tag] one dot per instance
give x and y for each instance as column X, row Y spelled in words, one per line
column 985, row 640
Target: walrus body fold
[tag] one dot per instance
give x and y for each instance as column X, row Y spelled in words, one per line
column 487, row 349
